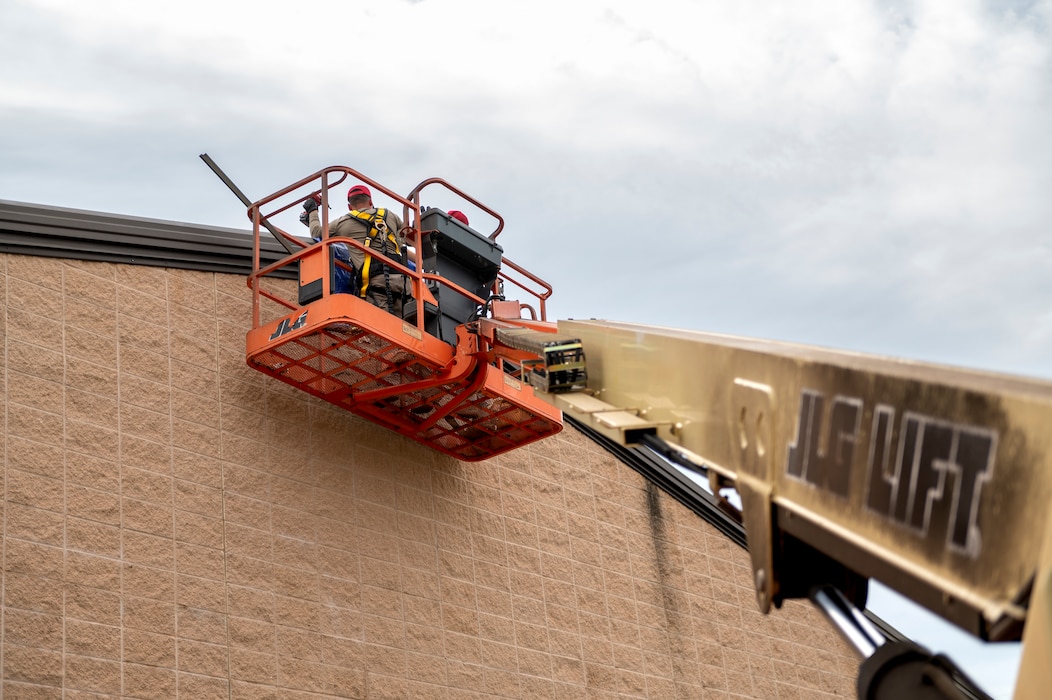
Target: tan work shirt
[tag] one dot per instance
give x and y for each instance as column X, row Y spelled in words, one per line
column 348, row 226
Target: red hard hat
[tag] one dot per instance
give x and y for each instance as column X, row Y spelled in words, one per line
column 359, row 189
column 459, row 216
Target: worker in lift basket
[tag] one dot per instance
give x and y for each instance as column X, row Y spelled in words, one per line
column 379, row 284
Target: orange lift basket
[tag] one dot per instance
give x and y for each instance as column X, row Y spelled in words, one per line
column 456, row 371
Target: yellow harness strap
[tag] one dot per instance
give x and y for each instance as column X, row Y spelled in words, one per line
column 377, row 230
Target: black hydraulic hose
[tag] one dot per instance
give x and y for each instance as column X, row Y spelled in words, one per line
column 654, row 466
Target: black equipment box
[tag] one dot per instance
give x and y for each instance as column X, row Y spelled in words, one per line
column 463, row 256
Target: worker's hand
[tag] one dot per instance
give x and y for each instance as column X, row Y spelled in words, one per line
column 309, row 206
column 305, row 218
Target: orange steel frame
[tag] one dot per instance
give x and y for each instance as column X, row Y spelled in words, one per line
column 411, row 213
column 344, row 350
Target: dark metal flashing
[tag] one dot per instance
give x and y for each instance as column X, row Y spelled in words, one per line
column 56, row 232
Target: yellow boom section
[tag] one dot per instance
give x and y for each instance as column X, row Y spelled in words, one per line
column 934, row 480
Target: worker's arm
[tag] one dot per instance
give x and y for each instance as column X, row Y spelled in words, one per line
column 314, row 221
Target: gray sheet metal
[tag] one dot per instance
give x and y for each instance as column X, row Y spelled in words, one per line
column 56, row 232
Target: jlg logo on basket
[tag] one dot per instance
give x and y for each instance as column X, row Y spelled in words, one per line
column 927, row 475
column 287, row 324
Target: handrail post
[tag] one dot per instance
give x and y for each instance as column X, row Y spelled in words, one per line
column 255, row 268
column 326, row 281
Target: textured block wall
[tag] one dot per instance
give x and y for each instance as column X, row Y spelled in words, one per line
column 177, row 525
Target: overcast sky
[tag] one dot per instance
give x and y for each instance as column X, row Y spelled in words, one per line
column 860, row 175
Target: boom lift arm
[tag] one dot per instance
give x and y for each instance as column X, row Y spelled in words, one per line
column 935, row 481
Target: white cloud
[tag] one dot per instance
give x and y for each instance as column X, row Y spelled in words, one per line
column 807, row 161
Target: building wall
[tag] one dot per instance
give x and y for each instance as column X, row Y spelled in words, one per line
column 178, row 525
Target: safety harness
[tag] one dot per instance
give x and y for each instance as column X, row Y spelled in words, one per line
column 381, row 239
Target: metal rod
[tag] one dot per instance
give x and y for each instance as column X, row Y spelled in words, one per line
column 245, row 200
column 859, row 632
